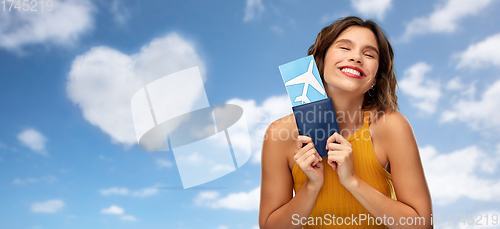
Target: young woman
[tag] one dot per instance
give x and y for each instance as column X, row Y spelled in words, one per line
column 373, row 176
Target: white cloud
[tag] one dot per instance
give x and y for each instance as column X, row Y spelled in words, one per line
column 163, row 163
column 458, row 90
column 49, row 206
column 455, row 84
column 277, row 29
column 445, row 17
column 481, row 54
column 129, row 218
column 120, row 13
column 450, row 177
column 219, row 167
column 222, row 227
column 46, row 179
column 68, row 20
column 113, row 210
column 372, row 8
column 33, row 140
column 114, row 191
column 259, row 117
column 424, row 93
column 146, row 192
column 477, row 114
column 253, row 10
column 196, row 158
column 245, row 201
column 116, row 210
column 102, row 81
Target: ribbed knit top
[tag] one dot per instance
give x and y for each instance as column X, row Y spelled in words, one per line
column 336, row 200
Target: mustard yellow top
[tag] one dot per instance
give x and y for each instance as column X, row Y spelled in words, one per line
column 334, row 199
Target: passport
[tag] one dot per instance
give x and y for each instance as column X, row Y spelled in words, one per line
column 313, row 110
column 317, row 120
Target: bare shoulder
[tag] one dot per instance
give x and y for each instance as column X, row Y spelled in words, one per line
column 392, row 134
column 277, row 180
column 283, row 130
column 395, row 137
column 390, row 124
column 279, row 140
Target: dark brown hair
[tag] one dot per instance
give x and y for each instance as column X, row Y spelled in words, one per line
column 385, row 86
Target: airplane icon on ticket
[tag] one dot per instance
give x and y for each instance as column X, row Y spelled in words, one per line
column 293, row 74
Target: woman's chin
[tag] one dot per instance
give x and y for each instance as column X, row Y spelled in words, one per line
column 345, row 88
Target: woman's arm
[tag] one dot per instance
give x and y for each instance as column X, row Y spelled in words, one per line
column 395, row 136
column 277, row 205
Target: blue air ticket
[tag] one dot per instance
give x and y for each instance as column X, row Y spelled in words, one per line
column 302, row 81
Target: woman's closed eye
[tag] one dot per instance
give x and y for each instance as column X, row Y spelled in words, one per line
column 347, row 49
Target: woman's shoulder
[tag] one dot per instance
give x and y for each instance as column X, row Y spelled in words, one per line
column 279, row 142
column 283, row 129
column 389, row 128
column 389, row 121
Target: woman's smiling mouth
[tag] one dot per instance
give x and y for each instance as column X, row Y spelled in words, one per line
column 352, row 71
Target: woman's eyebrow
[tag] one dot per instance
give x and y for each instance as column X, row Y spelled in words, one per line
column 350, row 42
column 343, row 41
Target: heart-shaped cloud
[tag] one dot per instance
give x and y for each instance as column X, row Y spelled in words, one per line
column 103, row 80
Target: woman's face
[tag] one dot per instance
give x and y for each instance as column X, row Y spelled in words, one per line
column 351, row 62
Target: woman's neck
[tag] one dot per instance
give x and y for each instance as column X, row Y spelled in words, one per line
column 348, row 111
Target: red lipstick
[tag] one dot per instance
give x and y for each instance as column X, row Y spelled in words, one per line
column 350, row 74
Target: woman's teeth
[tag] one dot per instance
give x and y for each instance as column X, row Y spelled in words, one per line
column 352, row 71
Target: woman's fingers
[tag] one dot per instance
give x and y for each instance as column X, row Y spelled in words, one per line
column 337, row 146
column 336, row 158
column 311, row 159
column 339, row 139
column 307, row 160
column 304, row 153
column 318, row 158
column 333, row 161
column 302, row 140
column 300, row 151
column 338, row 149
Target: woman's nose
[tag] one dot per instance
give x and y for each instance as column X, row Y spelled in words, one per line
column 355, row 57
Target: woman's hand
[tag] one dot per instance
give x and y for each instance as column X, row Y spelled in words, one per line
column 309, row 161
column 340, row 158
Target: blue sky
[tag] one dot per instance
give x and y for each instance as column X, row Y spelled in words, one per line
column 68, row 156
